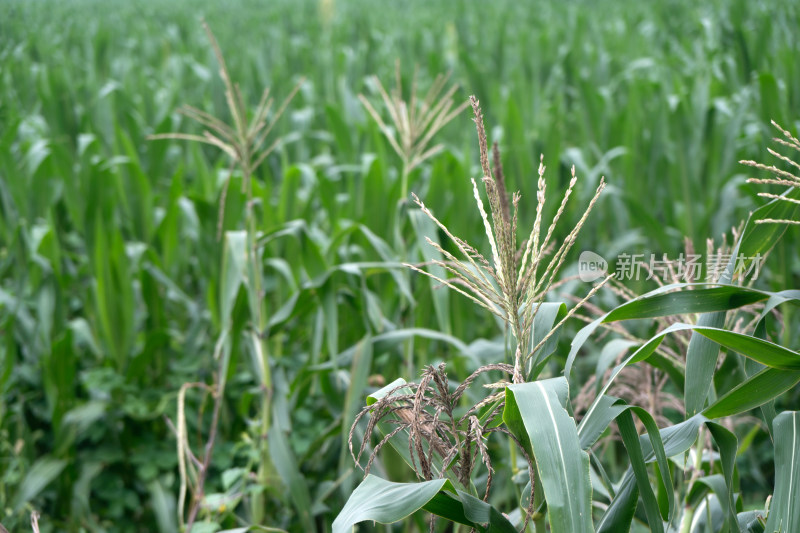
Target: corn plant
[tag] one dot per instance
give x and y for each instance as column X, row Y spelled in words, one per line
column 415, row 121
column 410, row 132
column 511, row 284
column 243, row 142
column 419, row 419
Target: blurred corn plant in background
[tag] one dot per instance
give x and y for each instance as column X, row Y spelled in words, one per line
column 243, row 263
column 243, row 142
column 415, row 121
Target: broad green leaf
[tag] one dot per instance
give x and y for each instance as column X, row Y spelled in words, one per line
column 606, row 409
column 676, row 441
column 765, row 352
column 664, row 477
column 620, row 512
column 752, row 347
column 608, row 355
column 609, row 409
column 385, row 502
column 784, row 512
column 41, row 473
column 304, row 249
column 426, row 229
column 163, row 503
column 698, row 300
column 114, row 297
column 631, row 439
column 383, row 391
column 708, row 514
column 535, row 412
column 384, row 251
column 701, row 356
column 341, row 132
column 758, row 239
column 359, row 371
column 549, row 314
column 384, row 341
column 701, row 361
column 752, row 367
column 205, row 527
column 752, row 521
column 661, row 302
column 465, row 508
column 755, row 391
column 285, row 463
column 727, row 443
column 234, row 271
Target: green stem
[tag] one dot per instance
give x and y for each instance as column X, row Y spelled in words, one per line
column 402, row 249
column 688, row 512
column 686, row 521
column 404, row 181
column 258, row 313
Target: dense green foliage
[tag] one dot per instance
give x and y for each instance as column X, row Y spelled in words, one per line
column 115, row 286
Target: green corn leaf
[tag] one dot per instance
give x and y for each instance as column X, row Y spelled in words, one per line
column 728, row 444
column 631, row 439
column 762, row 351
column 426, row 229
column 285, row 463
column 701, row 361
column 535, row 412
column 591, row 427
column 701, row 356
column 707, row 498
column 549, row 314
column 359, row 371
column 784, row 513
column 386, row 340
column 41, row 473
column 754, row 392
column 752, row 521
column 234, row 269
column 620, row 512
column 660, row 302
column 385, row 502
column 596, row 420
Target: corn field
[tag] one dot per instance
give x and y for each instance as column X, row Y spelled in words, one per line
column 339, row 265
